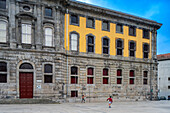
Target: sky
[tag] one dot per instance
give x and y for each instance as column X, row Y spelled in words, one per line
column 157, row 10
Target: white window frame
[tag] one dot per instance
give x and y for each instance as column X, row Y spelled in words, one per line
column 74, row 41
column 49, row 35
column 27, row 34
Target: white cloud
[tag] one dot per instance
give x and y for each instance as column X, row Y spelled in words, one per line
column 86, row 1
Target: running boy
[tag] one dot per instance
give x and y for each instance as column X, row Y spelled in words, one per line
column 110, row 101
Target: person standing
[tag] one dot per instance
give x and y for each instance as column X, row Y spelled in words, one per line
column 83, row 99
column 110, row 101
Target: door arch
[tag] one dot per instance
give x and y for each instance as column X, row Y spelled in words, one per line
column 26, row 80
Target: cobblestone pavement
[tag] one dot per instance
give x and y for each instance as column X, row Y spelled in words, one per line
column 117, row 107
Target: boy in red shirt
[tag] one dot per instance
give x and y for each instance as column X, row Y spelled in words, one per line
column 110, row 101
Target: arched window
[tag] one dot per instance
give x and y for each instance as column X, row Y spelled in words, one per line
column 48, row 37
column 132, row 77
column 48, row 73
column 90, row 75
column 132, row 48
column 26, row 33
column 119, row 76
column 74, row 42
column 25, row 66
column 119, row 46
column 3, row 72
column 90, row 44
column 3, row 31
column 74, row 75
column 105, row 46
column 145, row 50
column 105, row 76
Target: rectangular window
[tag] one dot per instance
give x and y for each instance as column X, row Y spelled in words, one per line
column 74, row 20
column 119, row 28
column 90, row 75
column 105, row 80
column 89, row 80
column 168, row 87
column 74, row 42
column 90, row 44
column 90, row 23
column 145, row 77
column 3, row 32
column 48, row 12
column 145, row 33
column 105, row 46
column 131, row 80
column 132, row 77
column 3, row 78
column 26, row 33
column 119, row 76
column 48, row 37
column 105, row 26
column 3, row 72
column 48, row 78
column 168, row 78
column 145, row 50
column 74, row 75
column 74, row 93
column 105, row 76
column 74, row 79
column 119, row 80
column 2, row 4
column 132, row 48
column 132, row 31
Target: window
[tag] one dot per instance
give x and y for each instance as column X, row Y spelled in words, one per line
column 25, row 66
column 119, row 76
column 3, row 31
column 145, row 50
column 132, row 77
column 145, row 33
column 90, row 44
column 132, row 48
column 26, row 8
column 119, row 46
column 168, row 87
column 145, row 77
column 74, row 20
column 132, row 31
column 105, row 46
column 48, row 37
column 90, row 75
column 119, row 28
column 90, row 23
column 26, row 33
column 74, row 93
column 74, row 42
column 168, row 78
column 74, row 75
column 48, row 73
column 2, row 4
column 105, row 26
column 48, row 12
column 3, row 72
column 105, row 76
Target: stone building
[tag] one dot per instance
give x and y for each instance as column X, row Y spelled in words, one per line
column 65, row 49
column 164, row 75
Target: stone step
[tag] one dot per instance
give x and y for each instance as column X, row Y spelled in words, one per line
column 27, row 101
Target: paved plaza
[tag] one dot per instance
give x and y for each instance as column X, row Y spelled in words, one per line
column 117, row 107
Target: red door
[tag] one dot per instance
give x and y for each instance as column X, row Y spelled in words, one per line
column 26, row 85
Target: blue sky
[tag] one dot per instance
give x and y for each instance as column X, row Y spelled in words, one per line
column 157, row 10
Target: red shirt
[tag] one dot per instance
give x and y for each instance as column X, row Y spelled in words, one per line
column 110, row 99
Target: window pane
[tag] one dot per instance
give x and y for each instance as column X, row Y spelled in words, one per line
column 90, row 22
column 24, row 28
column 48, row 12
column 105, row 50
column 90, row 40
column 90, row 48
column 145, row 55
column 2, row 25
column 74, row 71
column 119, row 72
column 74, row 39
column 74, row 19
column 131, row 80
column 145, row 74
column 119, row 28
column 28, row 39
column 132, row 53
column 3, row 67
column 105, row 72
column 105, row 42
column 74, row 93
column 119, row 43
column 89, row 80
column 28, row 29
column 132, row 45
column 2, row 36
column 145, row 81
column 3, row 78
column 48, row 68
column 90, row 71
column 119, row 80
column 146, row 47
column 132, row 73
column 48, row 31
column 105, row 25
column 146, row 33
column 105, row 80
column 48, row 78
column 74, row 80
column 119, row 51
column 132, row 30
column 48, row 40
column 26, row 66
column 3, row 4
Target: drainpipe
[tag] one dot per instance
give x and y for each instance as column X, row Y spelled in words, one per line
column 67, row 50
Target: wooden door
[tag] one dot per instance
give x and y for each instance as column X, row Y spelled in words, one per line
column 26, row 85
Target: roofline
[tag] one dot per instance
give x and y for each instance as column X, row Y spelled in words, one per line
column 116, row 13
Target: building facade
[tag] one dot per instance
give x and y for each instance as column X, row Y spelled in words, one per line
column 164, row 76
column 65, row 49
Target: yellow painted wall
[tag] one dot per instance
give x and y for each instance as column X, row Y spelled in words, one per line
column 83, row 31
